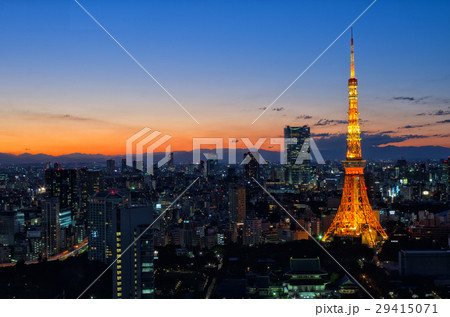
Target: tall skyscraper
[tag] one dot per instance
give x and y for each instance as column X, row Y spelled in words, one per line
column 297, row 174
column 91, row 182
column 211, row 164
column 62, row 183
column 251, row 169
column 124, row 165
column 51, row 227
column 252, row 231
column 7, row 227
column 100, row 229
column 111, row 166
column 446, row 176
column 133, row 271
column 170, row 162
column 237, row 203
column 354, row 217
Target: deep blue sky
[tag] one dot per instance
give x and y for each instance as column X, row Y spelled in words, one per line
column 222, row 60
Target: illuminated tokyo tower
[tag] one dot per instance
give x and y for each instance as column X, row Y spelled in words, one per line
column 355, row 217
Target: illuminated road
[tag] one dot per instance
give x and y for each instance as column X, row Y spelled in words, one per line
column 73, row 251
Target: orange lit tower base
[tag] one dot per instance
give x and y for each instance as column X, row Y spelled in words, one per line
column 355, row 217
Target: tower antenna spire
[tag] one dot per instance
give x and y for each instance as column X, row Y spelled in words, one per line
column 352, row 66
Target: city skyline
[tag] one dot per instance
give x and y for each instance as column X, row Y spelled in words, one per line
column 176, row 151
column 72, row 89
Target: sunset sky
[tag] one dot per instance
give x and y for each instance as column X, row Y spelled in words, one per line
column 66, row 87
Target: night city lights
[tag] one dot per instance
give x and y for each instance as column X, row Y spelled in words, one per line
column 189, row 152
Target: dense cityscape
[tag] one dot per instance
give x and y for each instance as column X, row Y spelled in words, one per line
column 341, row 209
column 225, row 237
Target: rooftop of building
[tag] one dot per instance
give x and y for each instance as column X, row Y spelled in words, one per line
column 425, row 252
column 306, row 281
column 305, row 266
column 107, row 194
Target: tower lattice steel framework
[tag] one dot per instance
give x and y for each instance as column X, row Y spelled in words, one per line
column 355, row 217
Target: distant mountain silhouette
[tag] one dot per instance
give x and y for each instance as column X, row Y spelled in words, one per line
column 336, row 152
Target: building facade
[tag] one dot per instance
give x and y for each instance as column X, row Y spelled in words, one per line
column 297, row 146
column 133, row 272
column 100, row 229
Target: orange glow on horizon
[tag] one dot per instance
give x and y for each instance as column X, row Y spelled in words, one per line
column 113, row 143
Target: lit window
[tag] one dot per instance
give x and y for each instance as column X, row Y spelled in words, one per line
column 147, row 291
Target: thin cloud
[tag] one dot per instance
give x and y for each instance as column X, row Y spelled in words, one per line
column 413, row 99
column 404, row 98
column 323, row 122
column 435, row 113
column 277, row 109
column 321, row 135
column 336, row 142
column 422, row 100
column 70, row 117
column 410, row 126
column 62, row 117
column 440, row 113
column 414, row 126
column 413, row 136
column 303, row 116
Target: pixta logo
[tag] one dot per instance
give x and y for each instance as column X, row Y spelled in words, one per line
column 152, row 141
column 284, row 144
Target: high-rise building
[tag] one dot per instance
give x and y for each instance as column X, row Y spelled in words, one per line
column 3, row 181
column 66, row 228
column 36, row 244
column 65, row 218
column 237, row 203
column 91, row 182
column 355, row 217
column 446, row 176
column 401, row 168
column 124, row 165
column 297, row 173
column 7, row 228
column 100, row 229
column 252, row 231
column 424, row 262
column 51, row 227
column 211, row 164
column 62, row 183
column 111, row 166
column 251, row 169
column 170, row 163
column 133, row 271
